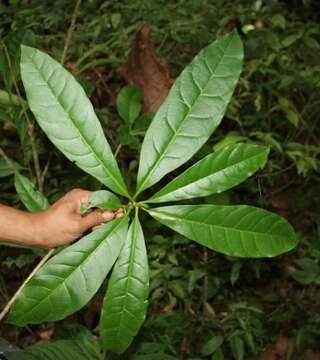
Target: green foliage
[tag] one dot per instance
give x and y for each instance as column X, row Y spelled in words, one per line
column 5, row 170
column 215, row 173
column 202, row 91
column 71, row 278
column 32, row 199
column 71, row 342
column 232, row 230
column 211, row 346
column 59, row 102
column 129, row 103
column 189, row 115
column 125, row 305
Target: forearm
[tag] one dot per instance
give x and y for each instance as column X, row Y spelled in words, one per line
column 18, row 227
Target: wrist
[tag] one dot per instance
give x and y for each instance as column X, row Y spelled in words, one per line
column 38, row 235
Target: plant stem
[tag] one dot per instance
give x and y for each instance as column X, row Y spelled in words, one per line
column 70, row 31
column 29, row 122
column 205, row 280
column 14, row 297
column 136, row 211
column 117, row 150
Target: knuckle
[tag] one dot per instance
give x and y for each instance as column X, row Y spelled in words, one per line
column 76, row 191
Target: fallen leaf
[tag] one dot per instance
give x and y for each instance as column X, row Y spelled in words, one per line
column 209, row 311
column 169, row 307
column 145, row 70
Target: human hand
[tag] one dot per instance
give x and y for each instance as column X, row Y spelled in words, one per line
column 62, row 223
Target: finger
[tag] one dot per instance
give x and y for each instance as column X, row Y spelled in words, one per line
column 119, row 214
column 78, row 197
column 95, row 218
column 96, row 227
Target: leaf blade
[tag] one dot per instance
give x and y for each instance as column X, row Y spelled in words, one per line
column 125, row 303
column 215, row 173
column 193, row 109
column 66, row 115
column 56, row 291
column 101, row 199
column 237, row 230
column 32, row 199
column 129, row 103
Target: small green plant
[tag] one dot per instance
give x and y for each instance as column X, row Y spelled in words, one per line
column 192, row 111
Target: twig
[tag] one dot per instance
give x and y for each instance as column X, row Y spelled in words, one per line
column 70, row 31
column 29, row 122
column 117, row 150
column 44, row 172
column 205, row 280
column 14, row 297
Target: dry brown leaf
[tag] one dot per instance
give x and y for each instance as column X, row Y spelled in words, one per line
column 168, row 308
column 145, row 70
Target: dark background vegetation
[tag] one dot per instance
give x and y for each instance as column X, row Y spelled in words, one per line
column 196, row 295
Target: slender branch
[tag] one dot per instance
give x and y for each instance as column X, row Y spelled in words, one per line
column 70, row 31
column 205, row 280
column 14, row 297
column 29, row 122
column 117, row 150
column 44, row 172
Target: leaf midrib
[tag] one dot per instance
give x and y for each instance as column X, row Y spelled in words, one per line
column 170, row 217
column 130, row 269
column 76, row 268
column 151, row 169
column 200, row 179
column 84, row 140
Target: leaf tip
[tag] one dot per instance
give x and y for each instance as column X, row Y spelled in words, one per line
column 26, row 51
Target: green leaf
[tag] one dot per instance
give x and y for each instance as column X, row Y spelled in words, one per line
column 232, row 138
column 70, row 279
column 212, row 345
column 66, row 115
column 13, row 42
column 129, row 103
column 192, row 111
column 8, row 99
column 125, row 304
column 239, row 230
column 237, row 347
column 32, row 199
column 289, row 40
column 101, row 199
column 5, row 170
column 141, row 124
column 278, row 21
column 215, row 173
column 293, row 118
column 59, row 350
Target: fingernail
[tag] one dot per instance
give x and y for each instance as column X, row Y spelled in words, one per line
column 107, row 215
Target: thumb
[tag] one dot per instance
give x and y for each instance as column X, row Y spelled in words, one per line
column 94, row 218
